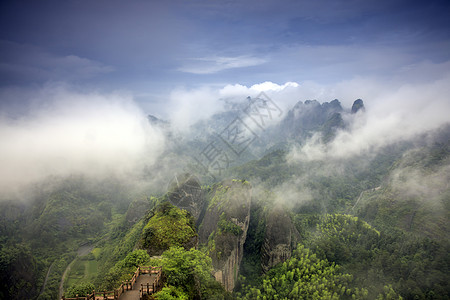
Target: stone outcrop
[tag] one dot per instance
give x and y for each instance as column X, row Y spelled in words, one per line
column 280, row 238
column 224, row 229
column 168, row 226
column 358, row 105
column 185, row 192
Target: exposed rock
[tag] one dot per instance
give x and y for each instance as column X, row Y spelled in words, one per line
column 332, row 107
column 225, row 227
column 358, row 105
column 281, row 236
column 305, row 118
column 186, row 193
column 330, row 127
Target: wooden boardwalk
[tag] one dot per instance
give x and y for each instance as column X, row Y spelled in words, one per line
column 145, row 281
column 135, row 293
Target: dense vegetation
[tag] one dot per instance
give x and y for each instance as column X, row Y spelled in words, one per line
column 40, row 239
column 168, row 226
column 371, row 226
column 304, row 276
column 188, row 275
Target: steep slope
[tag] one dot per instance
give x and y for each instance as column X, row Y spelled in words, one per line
column 280, row 238
column 415, row 196
column 185, row 192
column 224, row 228
column 167, row 227
column 358, row 105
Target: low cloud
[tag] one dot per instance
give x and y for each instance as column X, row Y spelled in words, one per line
column 292, row 193
column 65, row 132
column 414, row 183
column 185, row 107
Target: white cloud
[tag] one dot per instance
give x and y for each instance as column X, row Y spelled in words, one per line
column 211, row 65
column 270, row 86
column 66, row 132
column 187, row 106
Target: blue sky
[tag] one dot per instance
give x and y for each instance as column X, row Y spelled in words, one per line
column 151, row 48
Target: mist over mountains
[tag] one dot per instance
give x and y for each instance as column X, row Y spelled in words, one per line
column 247, row 149
column 92, row 132
column 252, row 184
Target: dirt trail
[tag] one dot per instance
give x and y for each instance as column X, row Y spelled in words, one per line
column 362, row 193
column 82, row 251
column 46, row 278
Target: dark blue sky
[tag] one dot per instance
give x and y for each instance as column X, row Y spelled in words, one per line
column 150, row 48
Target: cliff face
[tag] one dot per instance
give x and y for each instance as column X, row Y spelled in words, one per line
column 280, row 239
column 307, row 117
column 358, row 105
column 186, row 193
column 224, row 229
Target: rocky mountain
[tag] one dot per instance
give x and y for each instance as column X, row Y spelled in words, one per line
column 311, row 117
column 224, row 229
column 358, row 105
column 280, row 239
column 185, row 192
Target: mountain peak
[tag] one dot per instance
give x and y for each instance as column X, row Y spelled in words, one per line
column 357, row 106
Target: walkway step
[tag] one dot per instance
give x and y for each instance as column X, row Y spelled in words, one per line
column 134, row 293
column 130, row 295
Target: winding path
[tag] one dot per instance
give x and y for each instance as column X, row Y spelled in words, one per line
column 362, row 193
column 82, row 251
column 46, row 279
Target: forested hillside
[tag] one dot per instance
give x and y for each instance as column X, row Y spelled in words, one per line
column 296, row 219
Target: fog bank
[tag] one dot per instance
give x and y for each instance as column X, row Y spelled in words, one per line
column 66, row 132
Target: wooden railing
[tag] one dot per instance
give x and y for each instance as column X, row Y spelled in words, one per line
column 147, row 289
column 126, row 286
